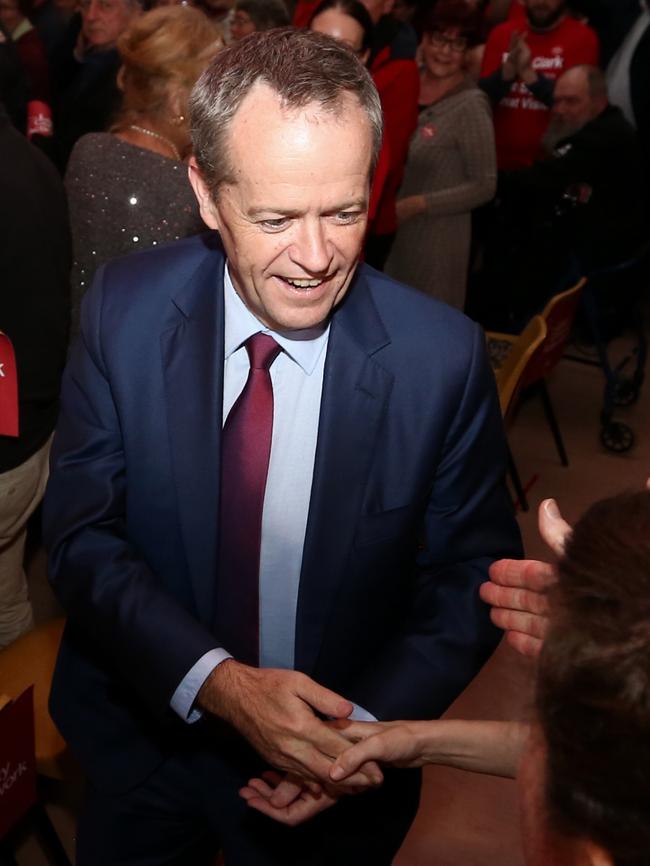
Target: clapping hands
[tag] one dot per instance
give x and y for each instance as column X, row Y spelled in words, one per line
column 517, row 63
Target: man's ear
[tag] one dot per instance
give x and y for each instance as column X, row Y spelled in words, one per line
column 207, row 207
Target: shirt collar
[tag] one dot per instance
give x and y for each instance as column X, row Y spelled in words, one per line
column 304, row 347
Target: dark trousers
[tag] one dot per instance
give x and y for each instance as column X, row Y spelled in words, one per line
column 189, row 809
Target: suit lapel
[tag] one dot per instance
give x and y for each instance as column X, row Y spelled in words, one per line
column 192, row 358
column 355, row 396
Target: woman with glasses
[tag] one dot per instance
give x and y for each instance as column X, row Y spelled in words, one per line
column 451, row 165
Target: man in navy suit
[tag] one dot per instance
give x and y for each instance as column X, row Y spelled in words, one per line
column 383, row 503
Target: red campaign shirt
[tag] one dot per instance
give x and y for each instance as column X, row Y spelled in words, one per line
column 398, row 83
column 520, row 121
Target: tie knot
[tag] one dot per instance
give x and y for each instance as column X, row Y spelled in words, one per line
column 262, row 351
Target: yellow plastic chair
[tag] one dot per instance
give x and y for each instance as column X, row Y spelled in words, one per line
column 511, row 376
column 558, row 315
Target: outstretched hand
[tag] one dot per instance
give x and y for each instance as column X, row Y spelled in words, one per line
column 284, row 800
column 287, row 800
column 276, row 711
column 517, row 589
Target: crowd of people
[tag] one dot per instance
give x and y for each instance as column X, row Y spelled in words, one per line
column 480, row 161
column 276, row 486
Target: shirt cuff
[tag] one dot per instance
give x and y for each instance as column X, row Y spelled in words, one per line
column 184, row 697
column 358, row 714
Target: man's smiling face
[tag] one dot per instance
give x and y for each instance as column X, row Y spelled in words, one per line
column 293, row 220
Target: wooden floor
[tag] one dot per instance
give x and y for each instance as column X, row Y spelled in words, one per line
column 468, row 820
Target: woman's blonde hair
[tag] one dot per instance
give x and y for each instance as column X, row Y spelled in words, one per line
column 169, row 46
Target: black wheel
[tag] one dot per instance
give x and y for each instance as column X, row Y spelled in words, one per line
column 626, row 392
column 617, row 437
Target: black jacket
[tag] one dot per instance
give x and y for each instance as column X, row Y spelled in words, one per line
column 593, row 187
column 35, row 256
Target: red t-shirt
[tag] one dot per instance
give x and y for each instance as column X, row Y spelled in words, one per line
column 398, row 83
column 520, row 121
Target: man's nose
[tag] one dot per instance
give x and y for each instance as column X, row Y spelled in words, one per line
column 91, row 11
column 311, row 249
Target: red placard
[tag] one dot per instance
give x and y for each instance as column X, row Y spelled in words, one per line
column 17, row 760
column 8, row 388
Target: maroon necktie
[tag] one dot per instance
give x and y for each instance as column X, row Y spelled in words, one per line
column 245, row 452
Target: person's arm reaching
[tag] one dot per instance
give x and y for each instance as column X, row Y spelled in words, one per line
column 478, row 746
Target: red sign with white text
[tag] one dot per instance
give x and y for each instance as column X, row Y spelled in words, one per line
column 17, row 761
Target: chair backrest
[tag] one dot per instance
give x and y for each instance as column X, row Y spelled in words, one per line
column 513, row 373
column 558, row 315
column 30, row 660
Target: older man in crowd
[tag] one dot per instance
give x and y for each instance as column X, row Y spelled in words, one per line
column 580, row 206
column 520, row 66
column 85, row 71
column 230, row 591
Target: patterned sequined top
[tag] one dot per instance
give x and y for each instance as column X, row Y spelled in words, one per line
column 122, row 198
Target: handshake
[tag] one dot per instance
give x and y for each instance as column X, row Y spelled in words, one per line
column 316, row 762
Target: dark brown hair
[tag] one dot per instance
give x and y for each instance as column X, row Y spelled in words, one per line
column 454, row 15
column 594, row 682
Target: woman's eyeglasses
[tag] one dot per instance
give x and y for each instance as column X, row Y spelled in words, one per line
column 458, row 44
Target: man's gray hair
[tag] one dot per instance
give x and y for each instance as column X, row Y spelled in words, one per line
column 300, row 66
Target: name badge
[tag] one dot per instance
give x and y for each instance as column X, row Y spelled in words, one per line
column 8, row 388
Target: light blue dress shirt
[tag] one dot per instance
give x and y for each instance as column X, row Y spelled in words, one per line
column 297, row 377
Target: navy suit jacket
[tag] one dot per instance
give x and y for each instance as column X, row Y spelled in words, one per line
column 408, row 505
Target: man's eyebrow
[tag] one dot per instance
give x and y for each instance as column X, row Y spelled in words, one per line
column 256, row 211
column 361, row 203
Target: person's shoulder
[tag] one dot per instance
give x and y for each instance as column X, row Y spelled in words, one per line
column 410, row 316
column 89, row 146
column 165, row 261
column 25, row 167
column 609, row 131
column 136, row 282
column 401, row 74
column 473, row 98
column 573, row 29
